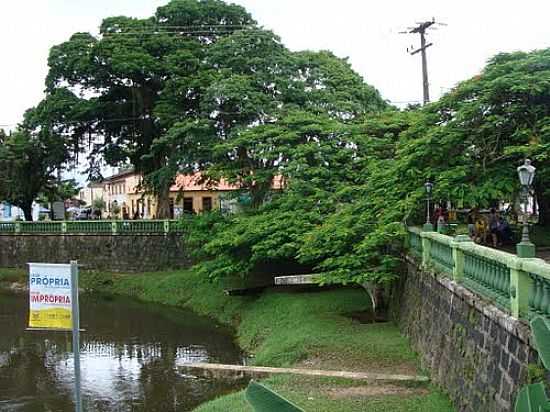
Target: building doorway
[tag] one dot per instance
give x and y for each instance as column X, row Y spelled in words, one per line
column 188, row 205
column 206, row 204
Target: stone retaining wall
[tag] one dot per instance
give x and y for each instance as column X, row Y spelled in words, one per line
column 118, row 253
column 477, row 353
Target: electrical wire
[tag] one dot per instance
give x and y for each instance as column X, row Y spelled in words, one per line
column 193, row 26
column 85, row 122
column 196, row 32
column 122, row 119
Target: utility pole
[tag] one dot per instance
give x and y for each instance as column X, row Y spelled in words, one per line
column 421, row 29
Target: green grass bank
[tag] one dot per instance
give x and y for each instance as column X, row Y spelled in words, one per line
column 305, row 329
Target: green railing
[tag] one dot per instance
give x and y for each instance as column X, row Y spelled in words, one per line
column 89, row 226
column 141, row 226
column 539, row 299
column 539, row 281
column 488, row 277
column 520, row 286
column 39, row 227
column 415, row 242
column 441, row 255
column 7, row 227
column 92, row 227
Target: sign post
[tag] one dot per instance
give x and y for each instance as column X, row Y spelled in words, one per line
column 76, row 334
column 53, row 297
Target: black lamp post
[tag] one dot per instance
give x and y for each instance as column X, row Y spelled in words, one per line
column 428, row 227
column 526, row 174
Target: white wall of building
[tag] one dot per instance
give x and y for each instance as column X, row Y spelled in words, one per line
column 10, row 213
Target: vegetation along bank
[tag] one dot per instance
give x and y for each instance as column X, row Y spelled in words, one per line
column 304, row 329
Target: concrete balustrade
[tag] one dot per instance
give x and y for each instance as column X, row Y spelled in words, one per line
column 93, row 227
column 518, row 285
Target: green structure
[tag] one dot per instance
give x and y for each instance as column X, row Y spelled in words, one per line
column 92, row 227
column 533, row 398
column 518, row 285
column 264, row 399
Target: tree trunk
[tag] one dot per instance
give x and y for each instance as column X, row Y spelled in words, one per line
column 543, row 201
column 544, row 210
column 258, row 193
column 163, row 204
column 27, row 211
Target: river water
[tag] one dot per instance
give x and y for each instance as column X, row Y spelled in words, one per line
column 129, row 352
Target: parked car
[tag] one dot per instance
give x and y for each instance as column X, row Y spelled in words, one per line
column 83, row 214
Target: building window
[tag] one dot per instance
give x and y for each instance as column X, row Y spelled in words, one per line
column 206, row 204
column 188, row 205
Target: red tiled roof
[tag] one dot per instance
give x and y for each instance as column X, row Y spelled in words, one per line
column 191, row 182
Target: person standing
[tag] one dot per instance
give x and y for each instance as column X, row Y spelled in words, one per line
column 480, row 229
column 472, row 222
column 441, row 223
column 504, row 232
column 493, row 226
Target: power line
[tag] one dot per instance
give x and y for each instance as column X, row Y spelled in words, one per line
column 87, row 122
column 210, row 32
column 192, row 26
column 404, row 101
column 421, row 28
column 214, row 29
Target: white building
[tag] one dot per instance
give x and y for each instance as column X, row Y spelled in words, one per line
column 92, row 192
column 10, row 213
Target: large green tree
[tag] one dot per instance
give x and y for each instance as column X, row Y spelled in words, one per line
column 30, row 165
column 471, row 141
column 468, row 143
column 178, row 91
column 256, row 86
column 316, row 221
column 113, row 87
column 340, row 218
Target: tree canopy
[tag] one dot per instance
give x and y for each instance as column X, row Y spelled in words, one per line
column 472, row 140
column 201, row 86
column 174, row 92
column 340, row 217
column 30, row 165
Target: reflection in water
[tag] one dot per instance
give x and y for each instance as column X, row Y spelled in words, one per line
column 128, row 355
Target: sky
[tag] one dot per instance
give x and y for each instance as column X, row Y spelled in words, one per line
column 367, row 32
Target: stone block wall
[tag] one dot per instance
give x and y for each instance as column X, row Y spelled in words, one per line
column 474, row 351
column 117, row 253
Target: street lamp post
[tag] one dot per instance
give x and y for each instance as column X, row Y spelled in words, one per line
column 428, row 227
column 526, row 174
